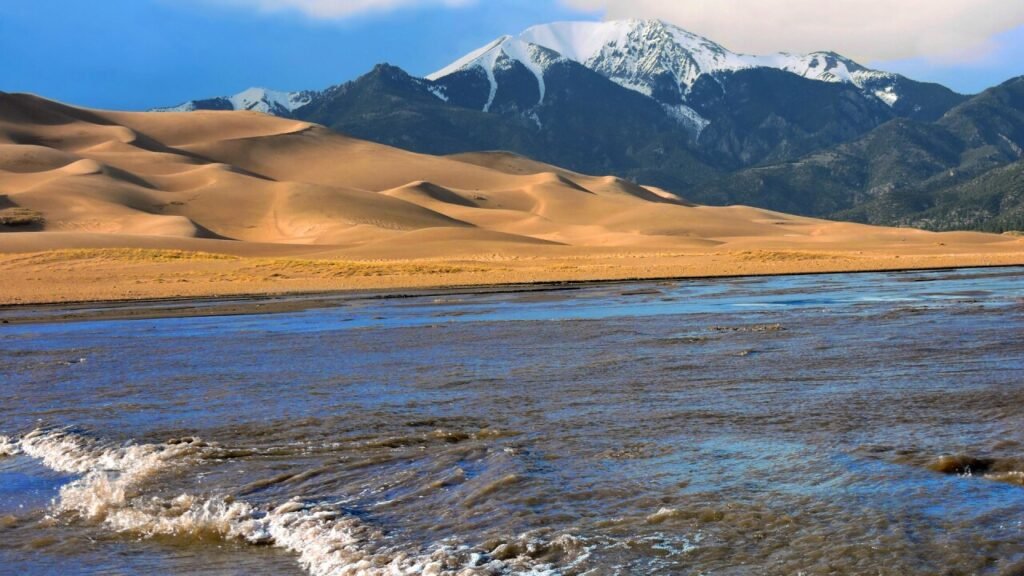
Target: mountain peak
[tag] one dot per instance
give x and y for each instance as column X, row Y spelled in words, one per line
column 502, row 54
column 387, row 70
column 487, row 56
column 644, row 54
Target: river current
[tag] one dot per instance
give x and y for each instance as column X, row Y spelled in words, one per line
column 835, row 424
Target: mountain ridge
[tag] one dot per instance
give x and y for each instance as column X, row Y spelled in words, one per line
column 693, row 56
column 651, row 102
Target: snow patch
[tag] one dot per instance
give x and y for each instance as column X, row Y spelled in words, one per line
column 489, row 71
column 503, row 52
column 468, row 61
column 524, row 53
column 634, row 86
column 438, row 91
column 888, row 96
column 264, row 100
column 1013, row 146
column 688, row 117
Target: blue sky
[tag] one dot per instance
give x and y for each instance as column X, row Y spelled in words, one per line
column 135, row 54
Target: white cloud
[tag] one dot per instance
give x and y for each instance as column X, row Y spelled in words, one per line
column 338, row 9
column 868, row 30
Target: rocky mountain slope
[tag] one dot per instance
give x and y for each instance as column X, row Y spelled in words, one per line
column 957, row 173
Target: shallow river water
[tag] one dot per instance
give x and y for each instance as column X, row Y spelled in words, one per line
column 841, row 424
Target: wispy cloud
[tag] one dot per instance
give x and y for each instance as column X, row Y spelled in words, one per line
column 938, row 31
column 869, row 30
column 337, row 9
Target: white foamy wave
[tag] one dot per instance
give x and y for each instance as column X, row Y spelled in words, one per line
column 326, row 540
column 9, row 447
column 66, row 451
column 112, row 476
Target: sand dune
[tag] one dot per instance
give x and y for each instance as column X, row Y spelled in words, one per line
column 253, row 185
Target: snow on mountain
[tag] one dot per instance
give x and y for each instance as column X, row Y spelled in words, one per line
column 831, row 67
column 687, row 117
column 254, row 99
column 638, row 54
column 499, row 55
column 631, row 52
column 652, row 57
column 263, row 100
column 189, row 106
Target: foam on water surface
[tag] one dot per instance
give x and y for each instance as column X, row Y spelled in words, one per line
column 112, row 490
column 9, row 447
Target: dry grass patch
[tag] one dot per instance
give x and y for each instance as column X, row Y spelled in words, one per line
column 18, row 217
column 779, row 256
column 288, row 267
column 112, row 255
column 241, row 267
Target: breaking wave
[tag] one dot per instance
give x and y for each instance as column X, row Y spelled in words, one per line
column 111, row 490
column 8, row 447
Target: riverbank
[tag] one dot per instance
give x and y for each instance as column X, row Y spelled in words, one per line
column 65, row 285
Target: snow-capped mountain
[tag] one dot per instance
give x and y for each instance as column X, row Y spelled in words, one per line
column 659, row 59
column 500, row 55
column 597, row 96
column 263, row 100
